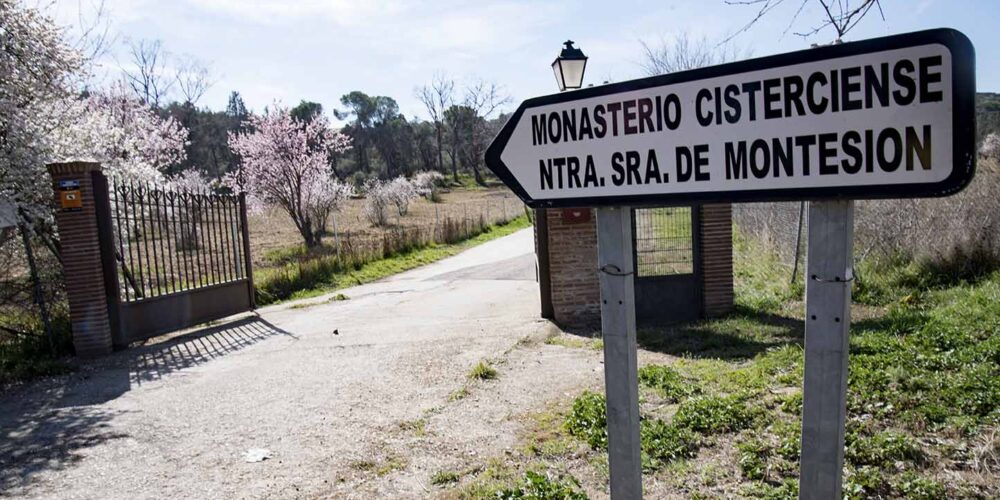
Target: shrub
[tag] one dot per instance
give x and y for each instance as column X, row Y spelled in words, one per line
column 377, row 202
column 538, row 486
column 882, row 449
column 665, row 381
column 663, row 443
column 401, row 192
column 912, row 486
column 753, row 458
column 588, row 420
column 428, row 184
column 715, row 414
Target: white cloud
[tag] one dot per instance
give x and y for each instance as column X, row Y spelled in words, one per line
column 340, row 12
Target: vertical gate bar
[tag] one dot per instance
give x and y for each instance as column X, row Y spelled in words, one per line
column 224, row 234
column 154, row 200
column 118, row 224
column 212, row 245
column 185, row 226
column 248, row 262
column 193, row 245
column 828, row 316
column 189, row 243
column 109, row 268
column 206, row 227
column 226, row 230
column 165, row 243
column 168, row 223
column 142, row 252
column 193, row 218
column 149, row 235
column 216, row 242
column 203, row 268
column 154, row 224
column 178, row 232
column 227, row 227
column 236, row 253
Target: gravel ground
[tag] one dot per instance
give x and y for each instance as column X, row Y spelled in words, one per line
column 350, row 398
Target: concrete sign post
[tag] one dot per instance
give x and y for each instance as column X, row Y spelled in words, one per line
column 889, row 117
column 621, row 370
column 828, row 313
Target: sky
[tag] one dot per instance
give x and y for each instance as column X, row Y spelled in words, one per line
column 319, row 50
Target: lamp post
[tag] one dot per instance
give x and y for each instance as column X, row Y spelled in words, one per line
column 569, row 67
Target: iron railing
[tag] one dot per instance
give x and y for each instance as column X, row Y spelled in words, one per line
column 663, row 241
column 168, row 240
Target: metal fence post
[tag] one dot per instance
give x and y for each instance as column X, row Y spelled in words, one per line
column 248, row 261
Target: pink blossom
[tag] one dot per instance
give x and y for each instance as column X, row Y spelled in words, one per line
column 285, row 163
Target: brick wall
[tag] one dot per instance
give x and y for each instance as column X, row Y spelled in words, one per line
column 573, row 264
column 576, row 294
column 717, row 258
column 81, row 255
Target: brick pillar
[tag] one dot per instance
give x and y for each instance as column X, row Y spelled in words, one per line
column 81, row 255
column 717, row 258
column 576, row 293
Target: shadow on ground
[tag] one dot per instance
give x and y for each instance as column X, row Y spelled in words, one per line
column 152, row 362
column 741, row 335
column 48, row 424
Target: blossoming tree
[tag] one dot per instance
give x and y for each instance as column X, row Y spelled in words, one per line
column 286, row 163
column 44, row 118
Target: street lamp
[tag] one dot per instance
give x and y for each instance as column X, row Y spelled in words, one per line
column 569, row 67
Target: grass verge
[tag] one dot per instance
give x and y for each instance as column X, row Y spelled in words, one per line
column 723, row 417
column 326, row 273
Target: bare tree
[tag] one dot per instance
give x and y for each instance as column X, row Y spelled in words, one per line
column 193, row 78
column 483, row 99
column 148, row 77
column 684, row 53
column 437, row 97
column 841, row 15
column 92, row 34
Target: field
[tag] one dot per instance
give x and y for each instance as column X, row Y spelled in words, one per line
column 355, row 251
column 273, row 231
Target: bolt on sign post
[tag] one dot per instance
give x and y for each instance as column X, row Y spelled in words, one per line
column 889, row 117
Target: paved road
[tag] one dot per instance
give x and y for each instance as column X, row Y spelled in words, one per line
column 351, row 398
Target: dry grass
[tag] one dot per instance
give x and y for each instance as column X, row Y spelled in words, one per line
column 273, row 232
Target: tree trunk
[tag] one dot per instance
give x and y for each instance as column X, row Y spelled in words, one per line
column 454, row 153
column 437, row 128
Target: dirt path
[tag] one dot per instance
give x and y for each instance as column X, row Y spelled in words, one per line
column 352, row 398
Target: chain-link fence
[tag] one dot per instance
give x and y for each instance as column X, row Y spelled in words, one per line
column 960, row 229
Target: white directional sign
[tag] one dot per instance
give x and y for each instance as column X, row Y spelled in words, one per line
column 883, row 118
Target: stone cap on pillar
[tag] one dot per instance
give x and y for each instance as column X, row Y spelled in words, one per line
column 72, row 167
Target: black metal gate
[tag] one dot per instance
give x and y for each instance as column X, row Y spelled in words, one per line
column 667, row 263
column 172, row 258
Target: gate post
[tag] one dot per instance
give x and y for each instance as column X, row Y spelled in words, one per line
column 76, row 219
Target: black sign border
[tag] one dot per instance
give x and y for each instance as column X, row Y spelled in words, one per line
column 963, row 61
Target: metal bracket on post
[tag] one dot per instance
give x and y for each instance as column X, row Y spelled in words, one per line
column 828, row 317
column 616, row 263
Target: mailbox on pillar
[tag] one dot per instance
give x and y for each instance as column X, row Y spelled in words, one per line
column 889, row 117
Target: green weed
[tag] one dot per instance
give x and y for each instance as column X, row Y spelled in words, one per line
column 663, row 443
column 538, row 486
column 753, row 455
column 587, row 420
column 666, row 382
column 483, row 371
column 716, row 414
